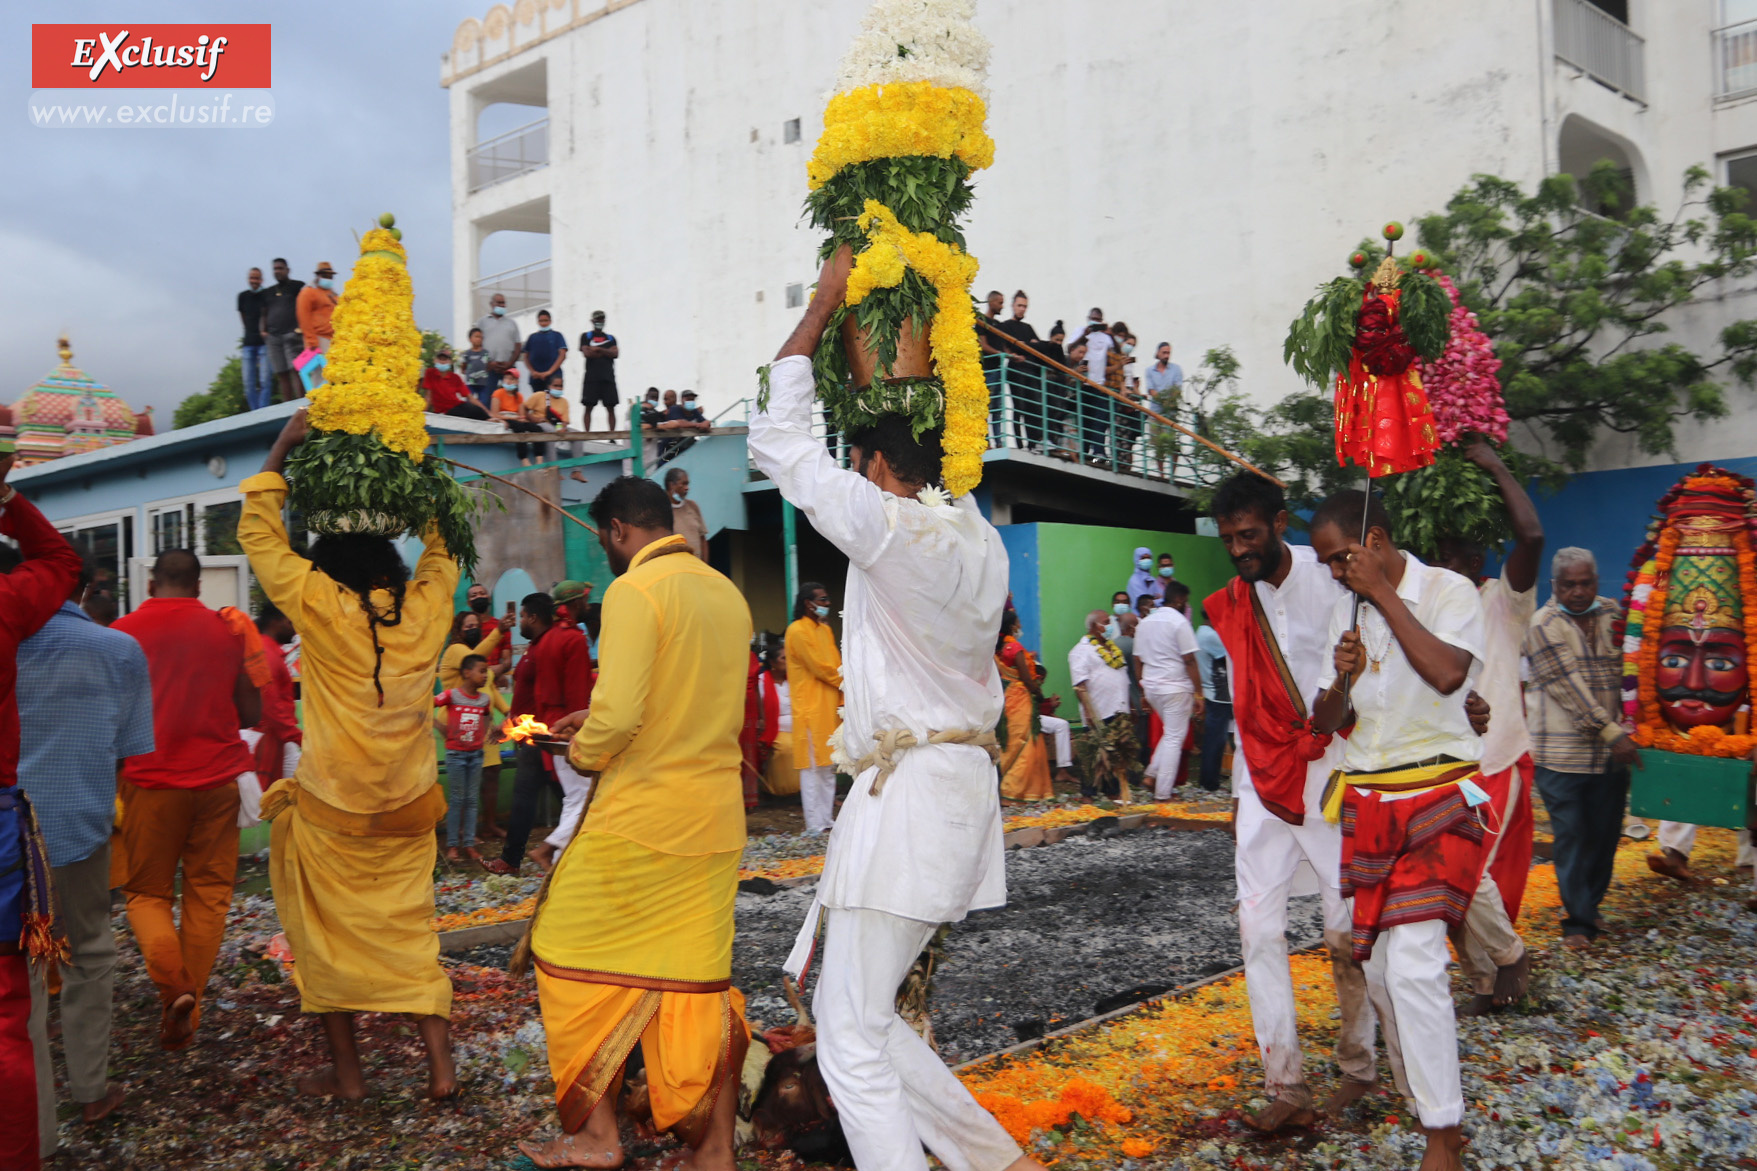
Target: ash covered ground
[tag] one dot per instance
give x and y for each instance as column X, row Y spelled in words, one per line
column 1085, row 920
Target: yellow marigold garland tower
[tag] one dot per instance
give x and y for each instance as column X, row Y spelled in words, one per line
column 890, row 178
column 364, row 468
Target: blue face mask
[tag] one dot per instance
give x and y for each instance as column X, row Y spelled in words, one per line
column 442, row 367
column 1166, row 571
column 1120, row 609
column 324, row 282
column 1592, row 609
column 822, row 612
column 1144, row 564
column 500, row 311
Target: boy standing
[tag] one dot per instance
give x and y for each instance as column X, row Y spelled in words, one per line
column 468, row 709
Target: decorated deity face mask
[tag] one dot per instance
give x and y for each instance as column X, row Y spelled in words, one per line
column 1700, row 672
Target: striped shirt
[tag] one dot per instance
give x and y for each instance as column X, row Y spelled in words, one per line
column 1575, row 691
column 85, row 702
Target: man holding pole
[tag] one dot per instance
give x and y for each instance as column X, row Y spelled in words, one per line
column 1407, row 794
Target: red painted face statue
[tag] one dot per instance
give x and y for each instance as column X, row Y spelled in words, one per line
column 1701, row 677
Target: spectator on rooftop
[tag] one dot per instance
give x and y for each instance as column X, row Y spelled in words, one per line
column 315, row 306
column 258, row 382
column 599, row 385
column 686, row 515
column 1164, row 384
column 446, row 391
column 473, row 365
column 280, row 330
column 500, row 337
column 545, row 351
column 509, row 408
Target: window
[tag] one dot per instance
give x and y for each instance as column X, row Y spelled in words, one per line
column 172, row 528
column 107, row 544
column 795, row 296
column 790, row 130
column 1619, row 9
column 1741, row 171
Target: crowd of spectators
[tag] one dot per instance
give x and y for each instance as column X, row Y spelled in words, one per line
column 287, row 332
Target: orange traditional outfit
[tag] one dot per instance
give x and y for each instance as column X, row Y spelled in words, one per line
column 634, row 940
column 1025, row 754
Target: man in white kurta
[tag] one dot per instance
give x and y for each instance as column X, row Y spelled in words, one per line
column 927, row 580
column 1280, row 855
column 1165, row 644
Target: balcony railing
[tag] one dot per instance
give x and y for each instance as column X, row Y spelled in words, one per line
column 1589, row 38
column 525, row 288
column 512, row 153
column 1035, row 409
column 1735, row 59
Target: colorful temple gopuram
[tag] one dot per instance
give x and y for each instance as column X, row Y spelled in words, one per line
column 68, row 412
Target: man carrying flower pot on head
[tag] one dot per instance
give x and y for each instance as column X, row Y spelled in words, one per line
column 918, row 841
column 353, row 848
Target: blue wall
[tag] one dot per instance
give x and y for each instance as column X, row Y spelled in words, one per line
column 1021, row 543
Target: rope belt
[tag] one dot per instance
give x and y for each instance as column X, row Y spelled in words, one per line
column 893, row 742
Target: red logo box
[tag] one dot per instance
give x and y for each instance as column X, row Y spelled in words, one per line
column 149, row 56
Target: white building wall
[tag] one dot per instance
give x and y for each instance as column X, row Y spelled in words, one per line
column 1194, row 169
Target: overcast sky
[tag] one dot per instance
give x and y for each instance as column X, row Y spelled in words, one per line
column 135, row 241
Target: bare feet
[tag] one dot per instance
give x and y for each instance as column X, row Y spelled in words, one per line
column 1671, row 864
column 177, row 1027
column 454, row 855
column 442, row 1071
column 544, row 856
column 327, row 1083
column 571, row 1151
column 1280, row 1114
column 1577, row 942
column 472, row 854
column 1481, row 1004
column 1347, row 1092
column 91, row 1112
column 1512, row 980
column 576, row 474
column 1444, row 1143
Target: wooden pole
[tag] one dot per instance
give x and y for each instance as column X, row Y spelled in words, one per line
column 540, row 499
column 1127, row 401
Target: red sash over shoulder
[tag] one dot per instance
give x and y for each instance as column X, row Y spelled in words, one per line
column 1274, row 729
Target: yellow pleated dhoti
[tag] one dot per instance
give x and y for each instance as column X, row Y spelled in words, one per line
column 636, row 945
column 354, row 893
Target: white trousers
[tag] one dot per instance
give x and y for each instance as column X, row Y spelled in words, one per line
column 574, row 791
column 1681, row 836
column 817, row 797
column 1058, row 729
column 1406, row 978
column 1490, row 939
column 1175, row 709
column 1268, row 858
column 893, row 1093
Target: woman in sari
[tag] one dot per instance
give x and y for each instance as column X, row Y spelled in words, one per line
column 1024, row 760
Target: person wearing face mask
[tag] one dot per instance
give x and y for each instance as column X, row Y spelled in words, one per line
column 258, row 382
column 816, row 680
column 509, row 408
column 1120, row 375
column 1099, row 667
column 686, row 515
column 1145, row 581
column 316, row 305
column 472, row 633
column 598, row 388
column 500, row 337
column 545, row 351
column 446, row 391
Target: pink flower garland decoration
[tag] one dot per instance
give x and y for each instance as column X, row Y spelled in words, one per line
column 1462, row 387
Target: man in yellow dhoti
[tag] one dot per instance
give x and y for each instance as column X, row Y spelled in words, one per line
column 634, row 940
column 352, row 851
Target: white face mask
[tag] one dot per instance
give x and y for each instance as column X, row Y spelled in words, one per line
column 1128, row 347
column 822, row 612
column 500, row 311
column 1119, row 609
column 677, row 497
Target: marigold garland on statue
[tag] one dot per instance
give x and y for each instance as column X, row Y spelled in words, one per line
column 903, row 118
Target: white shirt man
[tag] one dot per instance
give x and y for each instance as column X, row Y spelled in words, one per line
column 925, row 589
column 1419, row 738
column 1275, row 857
column 1165, row 643
column 1107, row 687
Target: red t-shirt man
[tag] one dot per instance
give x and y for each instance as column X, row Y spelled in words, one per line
column 195, row 662
column 444, row 389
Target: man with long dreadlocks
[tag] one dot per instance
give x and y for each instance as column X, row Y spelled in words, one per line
column 353, row 849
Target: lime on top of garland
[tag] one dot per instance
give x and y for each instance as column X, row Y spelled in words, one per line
column 364, row 468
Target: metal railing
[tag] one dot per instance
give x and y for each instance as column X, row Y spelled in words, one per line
column 1609, row 51
column 1037, row 410
column 506, row 155
column 525, row 288
column 1735, row 59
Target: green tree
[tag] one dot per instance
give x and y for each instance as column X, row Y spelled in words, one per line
column 431, row 341
column 224, row 396
column 1577, row 303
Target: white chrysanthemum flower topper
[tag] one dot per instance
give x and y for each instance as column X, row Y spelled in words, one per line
column 917, row 40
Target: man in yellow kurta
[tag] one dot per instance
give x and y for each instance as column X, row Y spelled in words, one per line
column 634, row 940
column 352, row 851
column 814, row 676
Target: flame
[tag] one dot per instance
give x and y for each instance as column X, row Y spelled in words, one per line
column 524, row 729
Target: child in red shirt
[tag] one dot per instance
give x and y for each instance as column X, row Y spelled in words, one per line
column 467, row 712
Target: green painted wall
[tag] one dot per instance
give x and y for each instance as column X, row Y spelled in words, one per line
column 1081, row 566
column 585, row 556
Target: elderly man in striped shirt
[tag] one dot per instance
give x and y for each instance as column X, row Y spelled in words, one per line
column 1583, row 755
